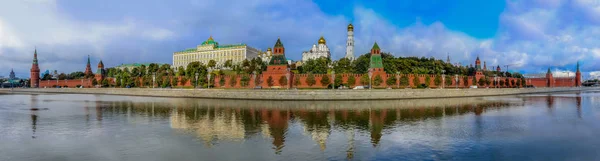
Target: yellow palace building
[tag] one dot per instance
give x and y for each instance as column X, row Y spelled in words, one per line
column 211, row 50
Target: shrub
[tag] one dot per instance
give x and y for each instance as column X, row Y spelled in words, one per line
column 257, row 80
column 244, row 81
column 351, row 81
column 338, row 80
column 437, row 80
column 378, row 80
column 222, row 81
column 325, row 80
column 94, row 82
column 474, row 81
column 391, row 81
column 364, row 80
column 448, row 80
column 416, row 81
column 283, row 81
column 427, row 80
column 482, row 82
column 465, row 81
column 404, row 80
column 297, row 81
column 232, row 81
column 310, row 80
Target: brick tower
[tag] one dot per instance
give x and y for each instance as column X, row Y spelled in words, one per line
column 478, row 73
column 278, row 63
column 376, row 64
column 100, row 72
column 88, row 68
column 498, row 69
column 35, row 72
column 549, row 78
column 578, row 77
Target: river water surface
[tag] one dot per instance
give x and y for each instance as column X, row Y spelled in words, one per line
column 563, row 126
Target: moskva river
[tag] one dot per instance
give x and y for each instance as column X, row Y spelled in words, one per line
column 74, row 127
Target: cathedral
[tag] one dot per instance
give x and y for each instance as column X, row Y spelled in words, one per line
column 317, row 51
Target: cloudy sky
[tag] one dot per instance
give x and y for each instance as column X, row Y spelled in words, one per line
column 529, row 35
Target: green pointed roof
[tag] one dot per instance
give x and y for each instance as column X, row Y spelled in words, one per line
column 577, row 66
column 210, row 41
column 375, row 46
column 88, row 60
column 278, row 43
column 376, row 61
column 35, row 60
column 549, row 72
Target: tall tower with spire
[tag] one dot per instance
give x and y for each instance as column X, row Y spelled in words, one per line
column 12, row 75
column 376, row 64
column 350, row 43
column 448, row 58
column 100, row 72
column 484, row 66
column 477, row 64
column 88, row 68
column 578, row 77
column 35, row 71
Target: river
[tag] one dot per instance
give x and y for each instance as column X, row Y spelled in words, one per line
column 562, row 126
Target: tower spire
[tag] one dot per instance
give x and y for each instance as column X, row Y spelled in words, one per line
column 448, row 58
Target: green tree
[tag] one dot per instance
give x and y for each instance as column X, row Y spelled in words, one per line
column 364, row 79
column 257, row 80
column 232, row 81
column 325, row 80
column 427, row 80
column 222, row 81
column 283, row 81
column 465, row 81
column 378, row 80
column 518, row 83
column 94, row 82
column 507, row 82
column 404, row 80
column 180, row 71
column 512, row 83
column 229, row 63
column 448, row 80
column 212, row 63
column 245, row 80
column 501, row 83
column 297, row 81
column 338, row 80
column 105, row 83
column 523, row 82
column 317, row 66
column 391, row 81
column 310, row 80
column 416, row 80
column 351, row 81
column 474, row 80
column 437, row 80
column 344, row 65
column 482, row 82
column 270, row 81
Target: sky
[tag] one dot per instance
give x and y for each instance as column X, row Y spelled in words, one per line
column 528, row 35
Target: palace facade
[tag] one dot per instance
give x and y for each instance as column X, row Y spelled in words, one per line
column 317, row 51
column 211, row 50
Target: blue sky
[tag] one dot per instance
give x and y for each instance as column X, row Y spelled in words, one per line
column 530, row 34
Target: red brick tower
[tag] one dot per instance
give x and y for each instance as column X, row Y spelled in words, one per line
column 376, row 61
column 278, row 63
column 578, row 77
column 478, row 73
column 35, row 72
column 477, row 64
column 100, row 72
column 484, row 66
column 88, row 68
column 498, row 69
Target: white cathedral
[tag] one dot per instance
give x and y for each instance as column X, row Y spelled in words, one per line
column 317, row 51
column 321, row 50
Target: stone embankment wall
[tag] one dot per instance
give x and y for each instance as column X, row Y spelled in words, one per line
column 303, row 94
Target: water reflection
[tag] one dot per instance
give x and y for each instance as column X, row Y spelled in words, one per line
column 213, row 121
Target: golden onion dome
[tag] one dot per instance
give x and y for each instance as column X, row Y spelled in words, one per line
column 269, row 49
column 350, row 27
column 322, row 40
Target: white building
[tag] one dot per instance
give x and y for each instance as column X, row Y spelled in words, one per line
column 211, row 50
column 317, row 51
column 350, row 43
column 266, row 56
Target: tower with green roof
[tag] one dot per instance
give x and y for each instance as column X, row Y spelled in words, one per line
column 376, row 64
column 35, row 71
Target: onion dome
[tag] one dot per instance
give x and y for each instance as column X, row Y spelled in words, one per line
column 269, row 49
column 350, row 27
column 322, row 40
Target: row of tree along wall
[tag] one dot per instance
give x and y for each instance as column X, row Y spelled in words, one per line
column 325, row 80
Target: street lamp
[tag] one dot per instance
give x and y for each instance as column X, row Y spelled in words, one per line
column 370, row 75
column 153, row 80
column 495, row 81
column 456, row 80
column 196, row 85
column 398, row 78
column 443, row 78
column 287, row 76
column 210, row 69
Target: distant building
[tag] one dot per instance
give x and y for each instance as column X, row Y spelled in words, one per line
column 317, row 51
column 266, row 56
column 12, row 75
column 211, row 50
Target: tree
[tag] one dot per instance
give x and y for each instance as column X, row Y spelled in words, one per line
column 437, row 80
column 448, row 80
column 351, row 80
column 94, row 82
column 428, row 81
column 229, row 63
column 391, row 81
column 180, row 71
column 325, row 80
column 404, row 80
column 416, row 81
column 245, row 80
column 317, row 66
column 338, row 80
column 283, row 81
column 378, row 80
column 257, row 80
column 501, row 83
column 512, row 83
column 507, row 82
column 222, row 81
column 105, row 83
column 212, row 63
column 474, row 81
column 270, row 81
column 297, row 81
column 344, row 65
column 523, row 82
column 482, row 82
column 364, row 79
column 232, row 81
column 310, row 80
column 465, row 81
column 518, row 83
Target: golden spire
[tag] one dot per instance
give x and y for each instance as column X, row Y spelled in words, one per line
column 210, row 38
column 350, row 27
column 322, row 40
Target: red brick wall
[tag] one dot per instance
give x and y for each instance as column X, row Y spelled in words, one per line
column 554, row 82
column 87, row 83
